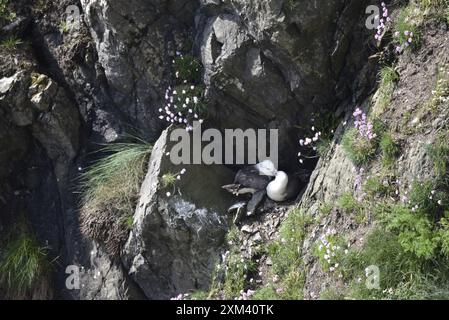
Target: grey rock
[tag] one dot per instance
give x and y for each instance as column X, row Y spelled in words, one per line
column 14, row 99
column 175, row 242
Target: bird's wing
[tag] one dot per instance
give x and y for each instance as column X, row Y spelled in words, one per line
column 253, row 204
column 251, row 178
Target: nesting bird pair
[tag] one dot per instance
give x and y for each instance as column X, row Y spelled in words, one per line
column 260, row 180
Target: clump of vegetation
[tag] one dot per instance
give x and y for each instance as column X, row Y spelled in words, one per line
column 5, row 14
column 109, row 191
column 236, row 270
column 414, row 231
column 378, row 187
column 440, row 94
column 188, row 68
column 388, row 79
column 237, row 274
column 321, row 136
column 168, row 180
column 361, row 142
column 286, row 253
column 329, row 251
column 24, row 268
column 185, row 101
column 427, row 4
column 325, row 209
column 407, row 34
column 348, row 203
column 63, row 27
column 389, row 150
column 360, row 151
column 439, row 153
column 409, row 246
column 402, row 274
column 11, row 43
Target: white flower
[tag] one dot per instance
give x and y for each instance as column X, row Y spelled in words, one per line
column 183, row 171
column 168, row 194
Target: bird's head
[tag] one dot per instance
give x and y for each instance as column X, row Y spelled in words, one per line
column 267, row 168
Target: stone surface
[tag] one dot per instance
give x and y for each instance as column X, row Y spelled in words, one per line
column 175, row 240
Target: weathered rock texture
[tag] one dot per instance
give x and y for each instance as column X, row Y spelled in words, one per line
column 268, row 64
column 335, row 174
column 175, row 241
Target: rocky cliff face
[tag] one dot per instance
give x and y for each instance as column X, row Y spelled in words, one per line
column 266, row 64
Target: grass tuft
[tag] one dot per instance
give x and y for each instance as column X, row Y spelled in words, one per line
column 109, row 191
column 24, row 267
column 188, row 68
column 360, row 151
column 389, row 150
column 286, row 255
column 11, row 43
column 388, row 79
column 5, row 14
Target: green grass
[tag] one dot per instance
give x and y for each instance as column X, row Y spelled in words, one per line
column 5, row 14
column 266, row 293
column 63, row 27
column 330, row 257
column 426, row 195
column 408, row 276
column 378, row 186
column 348, row 203
column 185, row 91
column 24, row 268
column 414, row 229
column 426, row 4
column 109, row 191
column 440, row 94
column 388, row 79
column 359, row 150
column 168, row 180
column 286, row 255
column 199, row 295
column 410, row 247
column 238, row 269
column 189, row 68
column 11, row 43
column 410, row 19
column 439, row 154
column 323, row 146
column 325, row 209
column 389, row 150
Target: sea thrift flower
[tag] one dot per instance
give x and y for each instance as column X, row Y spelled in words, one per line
column 185, row 98
column 309, row 142
column 383, row 23
column 364, row 127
